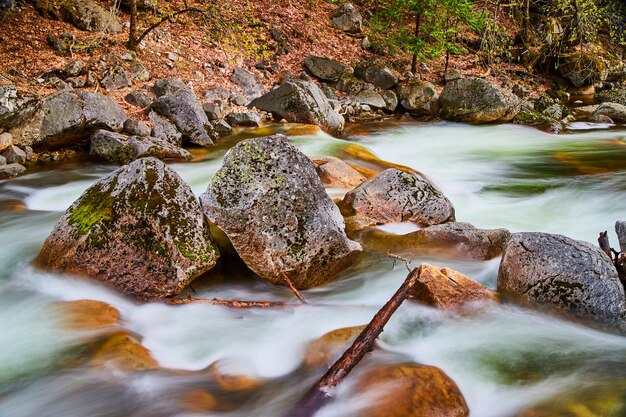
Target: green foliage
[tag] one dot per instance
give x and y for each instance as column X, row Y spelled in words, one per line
column 425, row 28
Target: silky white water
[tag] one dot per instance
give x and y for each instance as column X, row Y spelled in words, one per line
column 503, row 358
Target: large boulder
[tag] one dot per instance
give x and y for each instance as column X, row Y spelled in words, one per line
column 140, row 229
column 447, row 288
column 348, row 18
column 476, row 101
column 614, row 111
column 410, row 390
column 89, row 15
column 184, row 109
column 370, row 97
column 376, row 72
column 324, row 68
column 301, row 102
column 582, row 68
column 122, row 149
column 269, row 201
column 247, row 82
column 396, row 196
column 15, row 106
column 418, row 97
column 68, row 117
column 573, row 275
column 165, row 130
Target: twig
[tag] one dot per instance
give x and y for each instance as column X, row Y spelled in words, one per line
column 320, row 394
column 227, row 303
column 407, row 262
column 294, row 289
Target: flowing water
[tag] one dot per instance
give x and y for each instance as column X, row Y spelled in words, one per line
column 504, row 358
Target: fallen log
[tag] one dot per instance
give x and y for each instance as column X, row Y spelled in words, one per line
column 320, row 394
column 227, row 303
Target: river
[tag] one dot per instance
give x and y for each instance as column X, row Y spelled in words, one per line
column 504, row 358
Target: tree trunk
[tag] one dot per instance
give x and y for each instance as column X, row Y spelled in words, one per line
column 418, row 21
column 132, row 35
column 526, row 24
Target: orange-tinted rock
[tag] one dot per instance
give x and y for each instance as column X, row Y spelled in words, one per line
column 231, row 382
column 447, row 288
column 335, row 173
column 89, row 314
column 409, row 390
column 124, row 352
column 323, row 351
column 198, row 401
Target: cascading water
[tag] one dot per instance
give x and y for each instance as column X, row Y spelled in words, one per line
column 504, row 358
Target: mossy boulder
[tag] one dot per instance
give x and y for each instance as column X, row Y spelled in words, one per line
column 140, row 230
column 583, row 68
column 395, row 196
column 301, row 102
column 573, row 275
column 410, row 390
column 89, row 15
column 270, row 202
column 477, row 101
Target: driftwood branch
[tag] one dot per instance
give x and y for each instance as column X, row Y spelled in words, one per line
column 320, row 394
column 294, row 289
column 227, row 303
column 133, row 43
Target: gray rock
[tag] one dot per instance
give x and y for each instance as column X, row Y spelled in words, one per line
column 217, row 94
column 75, row 68
column 245, row 119
column 69, row 117
column 29, row 152
column 553, row 112
column 573, row 275
column 13, row 154
column 222, row 128
column 121, row 149
column 620, row 229
column 61, row 43
column 476, row 101
column 76, row 82
column 139, row 98
column 452, row 74
column 301, row 102
column 617, row 95
column 601, row 118
column 348, row 18
column 324, row 68
column 615, row 111
column 248, row 84
column 240, row 100
column 103, row 234
column 88, row 15
column 269, row 200
column 3, row 160
column 137, row 128
column 376, row 72
column 348, row 83
column 164, row 129
column 185, row 110
column 6, row 140
column 213, row 111
column 370, row 98
column 11, row 170
column 139, row 71
column 396, row 196
column 419, row 97
column 59, row 84
column 116, row 78
column 168, row 86
column 6, row 4
column 15, row 106
column 391, row 100
column 462, row 238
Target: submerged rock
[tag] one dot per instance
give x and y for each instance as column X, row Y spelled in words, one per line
column 140, row 229
column 476, row 101
column 573, row 275
column 269, row 201
column 324, row 351
column 408, row 390
column 395, row 196
column 447, row 288
column 67, row 118
column 336, row 173
column 301, row 102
